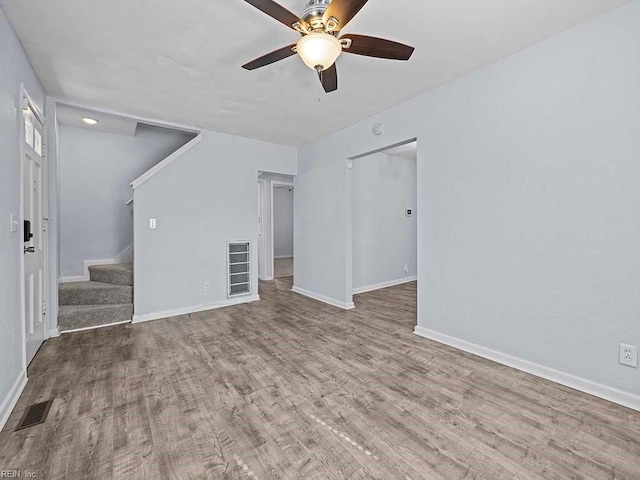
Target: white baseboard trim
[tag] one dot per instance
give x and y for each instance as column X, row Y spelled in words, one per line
column 54, row 332
column 322, row 298
column 125, row 256
column 91, row 263
column 148, row 317
column 283, row 256
column 614, row 395
column 73, row 279
column 9, row 402
column 95, row 327
column 167, row 161
column 85, row 270
column 378, row 286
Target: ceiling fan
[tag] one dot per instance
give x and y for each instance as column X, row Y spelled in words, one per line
column 321, row 45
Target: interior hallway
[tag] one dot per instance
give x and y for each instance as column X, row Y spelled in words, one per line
column 291, row 388
column 283, row 267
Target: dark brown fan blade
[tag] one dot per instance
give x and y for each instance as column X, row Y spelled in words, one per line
column 270, row 58
column 277, row 11
column 343, row 11
column 377, row 47
column 329, row 79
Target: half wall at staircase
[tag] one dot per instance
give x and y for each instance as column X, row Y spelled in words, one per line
column 96, row 170
column 202, row 200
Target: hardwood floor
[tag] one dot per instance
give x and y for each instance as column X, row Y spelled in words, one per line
column 283, row 267
column 289, row 388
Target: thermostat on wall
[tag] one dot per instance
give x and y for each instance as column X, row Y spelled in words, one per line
column 408, row 212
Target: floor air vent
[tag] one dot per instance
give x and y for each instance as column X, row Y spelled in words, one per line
column 239, row 261
column 35, row 415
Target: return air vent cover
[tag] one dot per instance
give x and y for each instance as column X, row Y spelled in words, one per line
column 34, row 415
column 239, row 261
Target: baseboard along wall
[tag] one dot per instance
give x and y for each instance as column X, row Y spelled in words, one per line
column 148, row 317
column 378, row 286
column 9, row 402
column 322, row 298
column 125, row 256
column 614, row 395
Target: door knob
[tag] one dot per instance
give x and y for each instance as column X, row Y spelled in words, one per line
column 29, row 249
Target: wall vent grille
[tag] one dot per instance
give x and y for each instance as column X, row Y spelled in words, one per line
column 239, row 268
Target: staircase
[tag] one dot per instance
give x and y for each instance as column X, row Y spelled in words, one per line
column 104, row 300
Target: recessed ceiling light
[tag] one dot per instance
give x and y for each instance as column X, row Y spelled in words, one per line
column 90, row 121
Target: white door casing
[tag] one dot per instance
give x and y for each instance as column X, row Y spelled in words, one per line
column 274, row 185
column 261, row 239
column 32, row 195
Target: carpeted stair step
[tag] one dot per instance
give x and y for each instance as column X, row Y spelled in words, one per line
column 94, row 293
column 117, row 274
column 72, row 317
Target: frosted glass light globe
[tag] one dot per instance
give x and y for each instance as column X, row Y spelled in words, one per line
column 319, row 50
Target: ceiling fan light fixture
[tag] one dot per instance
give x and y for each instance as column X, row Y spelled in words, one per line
column 319, row 50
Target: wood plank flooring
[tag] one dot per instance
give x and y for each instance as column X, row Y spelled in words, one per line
column 283, row 267
column 289, row 388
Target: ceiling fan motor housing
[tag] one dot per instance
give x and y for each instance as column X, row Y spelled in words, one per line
column 314, row 12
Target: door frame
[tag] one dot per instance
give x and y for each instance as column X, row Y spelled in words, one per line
column 274, row 184
column 349, row 229
column 27, row 102
column 262, row 248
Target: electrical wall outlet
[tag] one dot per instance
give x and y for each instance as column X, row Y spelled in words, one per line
column 629, row 355
column 152, row 223
column 206, row 287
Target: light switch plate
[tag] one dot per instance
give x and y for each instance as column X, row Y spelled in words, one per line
column 15, row 223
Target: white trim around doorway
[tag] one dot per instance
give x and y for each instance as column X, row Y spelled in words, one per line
column 274, row 184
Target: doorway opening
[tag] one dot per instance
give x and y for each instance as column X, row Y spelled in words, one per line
column 275, row 233
column 282, row 231
column 384, row 225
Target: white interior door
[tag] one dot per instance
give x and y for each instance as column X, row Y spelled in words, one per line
column 32, row 193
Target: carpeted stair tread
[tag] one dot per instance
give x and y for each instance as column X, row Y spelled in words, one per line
column 72, row 317
column 94, row 293
column 117, row 274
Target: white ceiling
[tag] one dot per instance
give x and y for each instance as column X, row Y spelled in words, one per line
column 180, row 60
column 72, row 117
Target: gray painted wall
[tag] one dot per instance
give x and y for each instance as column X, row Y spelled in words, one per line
column 96, row 170
column 384, row 238
column 14, row 70
column 201, row 201
column 282, row 222
column 528, row 199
